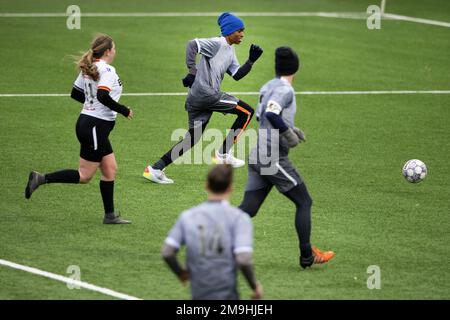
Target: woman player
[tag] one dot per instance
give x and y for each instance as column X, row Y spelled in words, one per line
column 99, row 88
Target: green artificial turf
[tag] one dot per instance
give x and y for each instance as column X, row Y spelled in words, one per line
column 363, row 208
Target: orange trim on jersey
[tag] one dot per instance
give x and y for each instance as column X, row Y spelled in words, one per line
column 104, row 88
column 246, row 123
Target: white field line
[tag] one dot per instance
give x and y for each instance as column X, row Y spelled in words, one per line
column 374, row 92
column 416, row 20
column 152, row 94
column 341, row 15
column 57, row 277
column 344, row 15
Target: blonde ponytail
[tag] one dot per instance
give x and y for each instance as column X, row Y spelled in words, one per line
column 87, row 66
column 99, row 45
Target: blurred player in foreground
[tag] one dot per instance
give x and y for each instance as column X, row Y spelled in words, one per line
column 219, row 240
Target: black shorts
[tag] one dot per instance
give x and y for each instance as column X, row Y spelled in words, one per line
column 284, row 177
column 93, row 135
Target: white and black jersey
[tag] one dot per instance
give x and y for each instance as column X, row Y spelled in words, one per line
column 108, row 80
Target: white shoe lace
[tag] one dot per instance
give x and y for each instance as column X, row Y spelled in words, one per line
column 163, row 177
column 228, row 158
column 231, row 159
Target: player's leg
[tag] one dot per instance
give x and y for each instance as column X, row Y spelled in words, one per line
column 89, row 160
column 308, row 255
column 84, row 174
column 108, row 167
column 244, row 114
column 300, row 197
column 36, row 179
column 229, row 104
column 253, row 200
column 190, row 139
column 289, row 182
column 198, row 120
column 86, row 170
column 256, row 191
column 93, row 135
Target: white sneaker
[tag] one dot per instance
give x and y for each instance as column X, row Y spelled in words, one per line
column 155, row 175
column 228, row 158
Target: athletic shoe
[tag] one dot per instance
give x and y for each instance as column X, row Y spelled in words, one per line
column 35, row 179
column 318, row 257
column 228, row 158
column 112, row 218
column 155, row 175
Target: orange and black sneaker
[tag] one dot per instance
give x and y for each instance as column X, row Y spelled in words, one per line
column 317, row 257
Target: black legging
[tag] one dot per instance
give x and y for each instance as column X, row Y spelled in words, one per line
column 190, row 139
column 244, row 114
column 303, row 202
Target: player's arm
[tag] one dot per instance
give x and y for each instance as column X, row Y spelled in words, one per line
column 169, row 254
column 191, row 56
column 243, row 70
column 254, row 54
column 78, row 94
column 281, row 99
column 107, row 79
column 243, row 251
column 77, row 89
column 173, row 242
column 105, row 99
column 273, row 115
column 245, row 264
column 205, row 47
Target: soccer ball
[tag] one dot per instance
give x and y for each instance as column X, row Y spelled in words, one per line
column 414, row 171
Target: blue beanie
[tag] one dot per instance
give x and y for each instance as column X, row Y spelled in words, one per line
column 229, row 23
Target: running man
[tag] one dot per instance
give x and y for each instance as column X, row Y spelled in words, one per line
column 98, row 88
column 276, row 114
column 205, row 97
column 219, row 240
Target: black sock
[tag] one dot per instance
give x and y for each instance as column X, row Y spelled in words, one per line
column 63, row 176
column 305, row 250
column 232, row 135
column 191, row 138
column 174, row 153
column 161, row 164
column 107, row 191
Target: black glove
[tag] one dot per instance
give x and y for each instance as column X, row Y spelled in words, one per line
column 300, row 134
column 188, row 80
column 255, row 52
column 290, row 138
